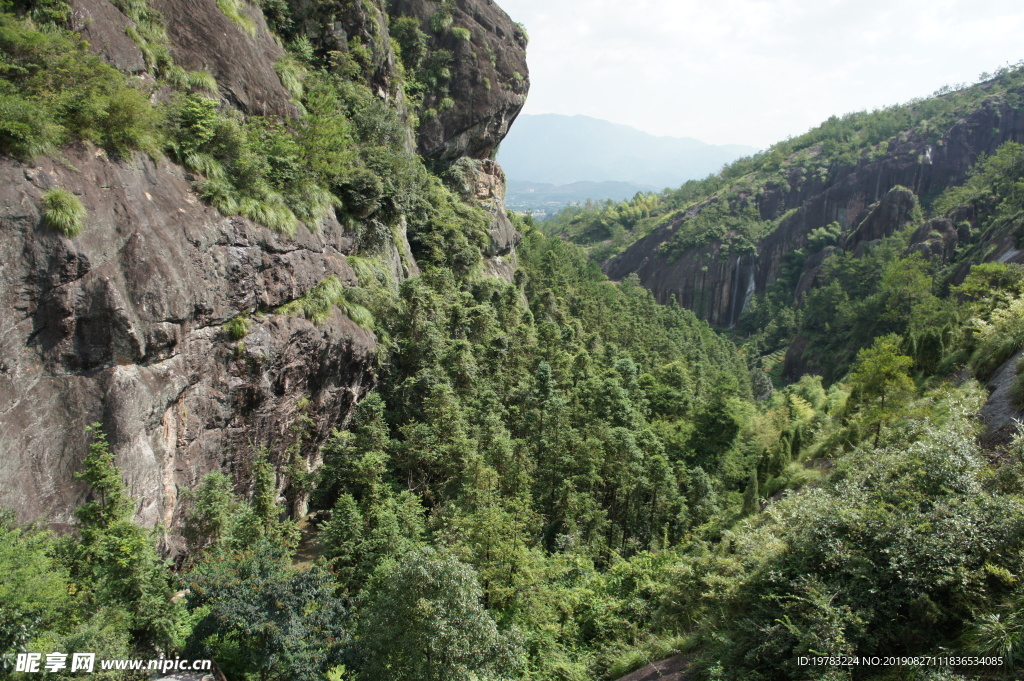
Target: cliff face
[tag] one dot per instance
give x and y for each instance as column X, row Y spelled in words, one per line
column 124, row 325
column 489, row 79
column 718, row 287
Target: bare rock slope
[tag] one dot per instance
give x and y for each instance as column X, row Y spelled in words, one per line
column 124, row 326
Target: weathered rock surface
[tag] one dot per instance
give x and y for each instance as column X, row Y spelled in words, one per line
column 489, row 79
column 717, row 287
column 1001, row 412
column 123, row 326
column 672, row 669
column 103, row 26
column 204, row 39
column 936, row 239
column 893, row 211
column 330, row 26
column 484, row 183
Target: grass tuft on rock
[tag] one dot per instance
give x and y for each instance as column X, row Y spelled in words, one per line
column 64, row 212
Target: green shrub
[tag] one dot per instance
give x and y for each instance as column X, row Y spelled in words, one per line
column 54, row 89
column 441, row 21
column 128, row 123
column 291, row 73
column 149, row 34
column 461, row 33
column 64, row 212
column 238, row 328
column 411, row 40
column 202, row 81
column 522, row 34
column 998, row 338
column 235, row 10
column 27, row 128
column 316, row 304
column 1017, row 389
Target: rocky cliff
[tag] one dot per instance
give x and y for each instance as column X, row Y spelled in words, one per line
column 717, row 283
column 125, row 324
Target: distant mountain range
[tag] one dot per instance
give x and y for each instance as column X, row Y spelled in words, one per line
column 556, row 150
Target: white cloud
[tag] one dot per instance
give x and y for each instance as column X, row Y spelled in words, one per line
column 754, row 71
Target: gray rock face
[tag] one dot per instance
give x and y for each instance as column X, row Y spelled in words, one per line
column 489, row 79
column 484, row 183
column 1001, row 412
column 203, row 38
column 714, row 287
column 103, row 26
column 123, row 326
column 936, row 239
column 892, row 212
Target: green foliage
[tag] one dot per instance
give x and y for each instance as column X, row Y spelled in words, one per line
column 735, row 223
column 258, row 167
column 34, row 596
column 427, row 623
column 411, row 40
column 292, row 75
column 881, row 385
column 202, row 81
column 823, row 237
column 445, row 231
column 994, row 179
column 877, row 558
column 318, row 301
column 551, row 478
column 1017, row 388
column 27, row 128
column 999, row 634
column 114, row 559
column 263, row 618
column 235, row 10
column 238, row 328
column 52, row 90
column 213, row 513
column 64, row 212
column 149, row 32
column 441, row 20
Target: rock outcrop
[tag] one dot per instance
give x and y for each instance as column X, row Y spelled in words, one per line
column 204, row 39
column 125, row 324
column 104, row 27
column 489, row 79
column 717, row 286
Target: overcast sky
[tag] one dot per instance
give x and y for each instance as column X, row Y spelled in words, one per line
column 754, row 71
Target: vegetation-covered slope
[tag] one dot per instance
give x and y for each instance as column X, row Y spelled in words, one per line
column 550, row 476
column 715, row 243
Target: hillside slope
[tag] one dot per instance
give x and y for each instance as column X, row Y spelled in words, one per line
column 713, row 248
column 219, row 177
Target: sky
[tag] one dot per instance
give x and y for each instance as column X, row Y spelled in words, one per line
column 754, row 71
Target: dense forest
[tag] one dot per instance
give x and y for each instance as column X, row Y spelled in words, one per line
column 555, row 477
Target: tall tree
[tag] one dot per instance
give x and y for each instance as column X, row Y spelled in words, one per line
column 427, row 624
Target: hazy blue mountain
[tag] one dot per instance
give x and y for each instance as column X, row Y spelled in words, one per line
column 556, row 149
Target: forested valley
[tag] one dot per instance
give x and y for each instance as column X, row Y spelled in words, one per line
column 543, row 473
